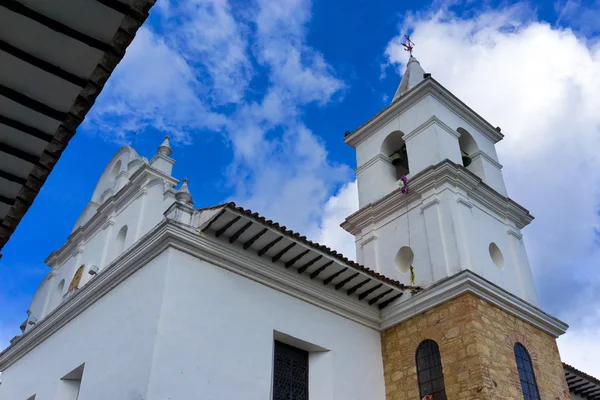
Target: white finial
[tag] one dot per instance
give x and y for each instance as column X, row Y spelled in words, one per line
column 165, row 147
column 183, row 194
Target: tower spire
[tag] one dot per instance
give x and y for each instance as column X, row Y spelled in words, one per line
column 411, row 78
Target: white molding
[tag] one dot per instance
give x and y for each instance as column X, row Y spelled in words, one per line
column 370, row 238
column 372, row 161
column 486, row 157
column 427, row 87
column 469, row 282
column 170, row 234
column 434, row 177
column 431, row 121
column 285, row 280
column 463, row 201
column 430, row 202
column 130, row 261
column 512, row 232
column 110, row 207
column 162, row 157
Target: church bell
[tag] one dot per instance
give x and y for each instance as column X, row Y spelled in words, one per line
column 466, row 160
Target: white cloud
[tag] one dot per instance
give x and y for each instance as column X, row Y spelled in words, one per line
column 295, row 68
column 286, row 176
column 153, row 87
column 581, row 347
column 15, row 295
column 541, row 85
column 584, row 17
column 179, row 80
column 215, row 44
column 335, row 211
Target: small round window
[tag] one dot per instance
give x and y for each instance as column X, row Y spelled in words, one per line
column 496, row 255
column 404, row 259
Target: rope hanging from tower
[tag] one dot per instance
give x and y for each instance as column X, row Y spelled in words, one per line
column 403, row 184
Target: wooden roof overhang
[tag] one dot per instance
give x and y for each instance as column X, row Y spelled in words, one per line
column 55, row 57
column 582, row 384
column 289, row 250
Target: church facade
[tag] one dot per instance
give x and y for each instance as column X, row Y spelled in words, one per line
column 152, row 298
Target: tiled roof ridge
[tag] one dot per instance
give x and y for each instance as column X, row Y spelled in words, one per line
column 339, row 256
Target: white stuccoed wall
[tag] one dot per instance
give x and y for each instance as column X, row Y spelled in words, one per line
column 219, row 328
column 114, row 338
column 446, row 237
column 182, row 328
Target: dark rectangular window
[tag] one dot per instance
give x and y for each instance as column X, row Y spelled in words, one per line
column 290, row 373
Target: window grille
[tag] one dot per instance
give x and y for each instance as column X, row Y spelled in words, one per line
column 429, row 370
column 290, row 375
column 526, row 375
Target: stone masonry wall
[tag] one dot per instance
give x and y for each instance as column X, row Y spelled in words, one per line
column 476, row 342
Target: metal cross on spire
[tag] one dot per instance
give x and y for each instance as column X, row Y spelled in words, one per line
column 408, row 45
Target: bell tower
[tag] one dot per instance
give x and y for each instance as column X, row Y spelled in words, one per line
column 456, row 215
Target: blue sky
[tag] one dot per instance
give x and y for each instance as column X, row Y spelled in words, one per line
column 257, row 96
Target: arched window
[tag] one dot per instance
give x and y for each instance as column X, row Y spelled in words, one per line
column 120, row 242
column 429, row 370
column 526, row 375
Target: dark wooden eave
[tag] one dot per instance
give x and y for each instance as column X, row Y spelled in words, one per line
column 275, row 244
column 582, row 384
column 36, row 124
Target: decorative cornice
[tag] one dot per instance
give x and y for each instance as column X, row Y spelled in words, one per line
column 469, row 282
column 409, row 99
column 130, row 261
column 443, row 173
column 428, row 86
column 170, row 234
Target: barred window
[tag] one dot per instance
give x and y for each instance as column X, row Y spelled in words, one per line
column 429, row 370
column 526, row 375
column 290, row 375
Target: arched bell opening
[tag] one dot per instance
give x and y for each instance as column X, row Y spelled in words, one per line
column 394, row 147
column 467, row 147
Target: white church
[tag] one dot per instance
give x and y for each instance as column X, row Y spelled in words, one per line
column 150, row 298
